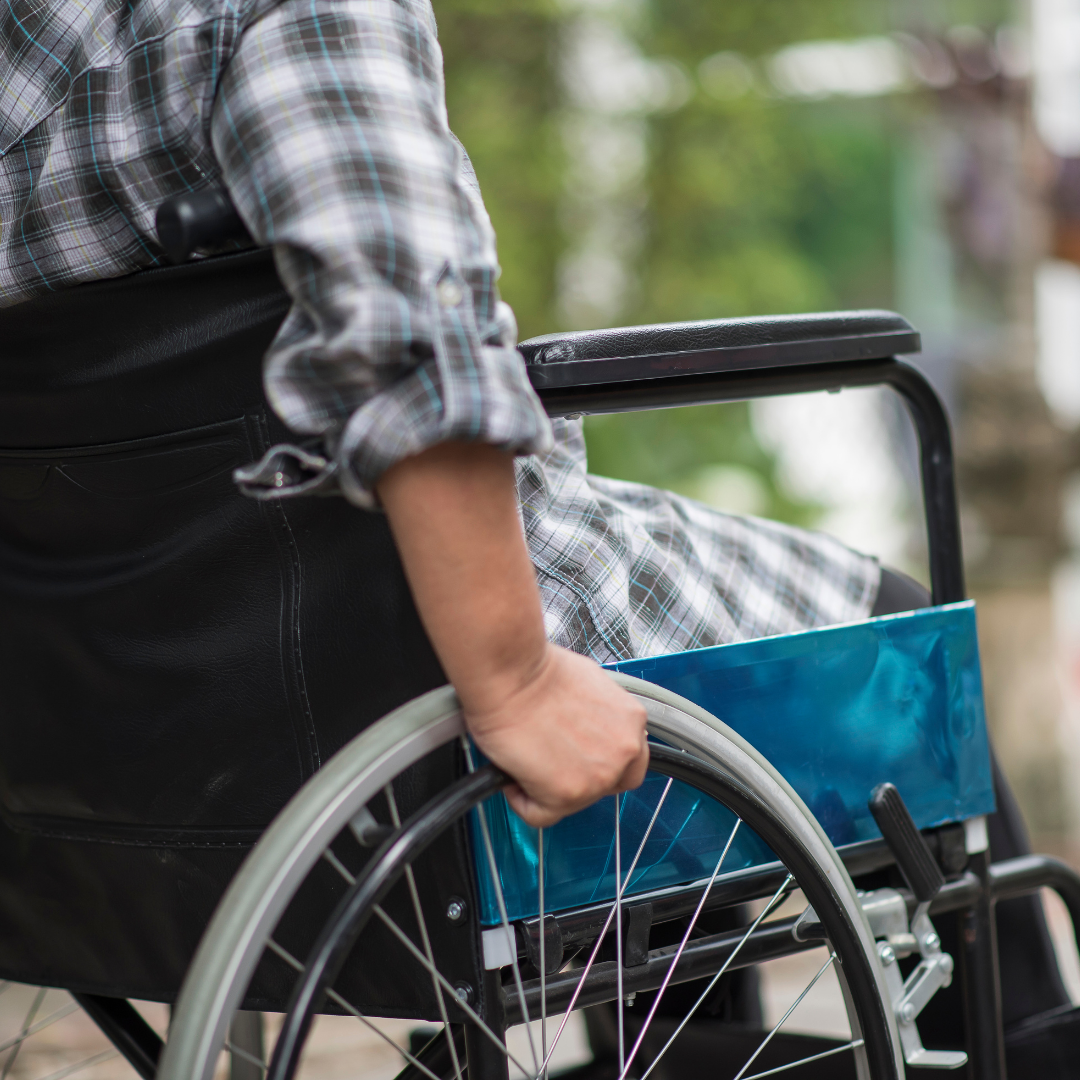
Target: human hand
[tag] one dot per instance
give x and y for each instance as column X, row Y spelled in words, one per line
column 568, row 736
column 554, row 721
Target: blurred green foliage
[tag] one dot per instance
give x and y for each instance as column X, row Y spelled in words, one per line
column 503, row 99
column 754, row 204
column 692, row 29
column 708, row 452
column 760, row 207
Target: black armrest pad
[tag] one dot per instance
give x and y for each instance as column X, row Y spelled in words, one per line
column 631, row 353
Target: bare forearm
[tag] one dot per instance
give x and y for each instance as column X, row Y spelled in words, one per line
column 554, row 721
column 453, row 512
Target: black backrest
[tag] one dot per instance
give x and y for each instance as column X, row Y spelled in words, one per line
column 175, row 659
column 131, row 356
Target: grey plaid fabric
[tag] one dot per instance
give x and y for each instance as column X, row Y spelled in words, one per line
column 326, row 121
column 627, row 571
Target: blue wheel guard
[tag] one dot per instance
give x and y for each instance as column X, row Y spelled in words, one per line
column 836, row 711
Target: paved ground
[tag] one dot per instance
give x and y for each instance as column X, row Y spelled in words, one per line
column 57, row 1048
column 343, row 1048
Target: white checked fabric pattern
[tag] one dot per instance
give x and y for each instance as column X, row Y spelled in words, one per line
column 326, row 121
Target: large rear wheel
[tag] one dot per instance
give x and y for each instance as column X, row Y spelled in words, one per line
column 651, row 961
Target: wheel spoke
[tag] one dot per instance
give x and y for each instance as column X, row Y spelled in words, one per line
column 603, row 933
column 240, row 1052
column 105, row 1055
column 339, row 866
column 672, row 842
column 285, row 955
column 469, row 1011
column 780, row 1023
column 716, row 978
column 354, row 1011
column 678, row 952
column 543, row 951
column 17, row 1042
column 334, row 996
column 410, row 878
column 489, row 851
column 853, row 1045
column 351, row 879
column 620, row 1005
column 33, row 1029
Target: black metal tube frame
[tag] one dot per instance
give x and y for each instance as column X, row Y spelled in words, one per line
column 978, row 962
column 126, row 1030
column 927, row 413
column 1003, row 881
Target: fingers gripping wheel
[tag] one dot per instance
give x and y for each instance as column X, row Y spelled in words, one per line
column 887, row 912
column 361, row 829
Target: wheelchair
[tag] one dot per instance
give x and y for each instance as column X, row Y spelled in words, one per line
column 234, row 780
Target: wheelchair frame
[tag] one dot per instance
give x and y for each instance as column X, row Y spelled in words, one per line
column 859, row 353
column 644, row 368
column 664, row 367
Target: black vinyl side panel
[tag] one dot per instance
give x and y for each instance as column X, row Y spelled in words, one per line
column 178, row 659
column 175, row 659
column 152, row 689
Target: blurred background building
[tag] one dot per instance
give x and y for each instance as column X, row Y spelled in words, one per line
column 651, row 160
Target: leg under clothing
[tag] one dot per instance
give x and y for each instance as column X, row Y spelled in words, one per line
column 898, row 592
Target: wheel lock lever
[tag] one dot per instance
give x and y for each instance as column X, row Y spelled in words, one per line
column 886, row 911
column 906, row 843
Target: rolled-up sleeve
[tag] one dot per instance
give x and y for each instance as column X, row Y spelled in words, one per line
column 330, row 127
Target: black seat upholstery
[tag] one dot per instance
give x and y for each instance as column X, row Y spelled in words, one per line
column 663, row 350
column 175, row 659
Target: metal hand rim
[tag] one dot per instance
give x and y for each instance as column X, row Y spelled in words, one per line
column 385, row 868
column 255, row 901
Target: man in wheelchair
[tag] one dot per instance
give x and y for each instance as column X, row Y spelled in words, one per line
column 177, row 660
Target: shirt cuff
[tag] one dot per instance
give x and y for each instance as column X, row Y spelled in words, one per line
column 466, row 392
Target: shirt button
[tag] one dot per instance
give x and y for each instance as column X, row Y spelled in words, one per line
column 449, row 293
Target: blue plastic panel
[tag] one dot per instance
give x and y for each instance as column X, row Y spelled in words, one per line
column 837, row 711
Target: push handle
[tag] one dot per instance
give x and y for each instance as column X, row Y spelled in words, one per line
column 910, row 850
column 199, row 219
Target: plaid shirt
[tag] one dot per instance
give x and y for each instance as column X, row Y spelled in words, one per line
column 326, row 121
